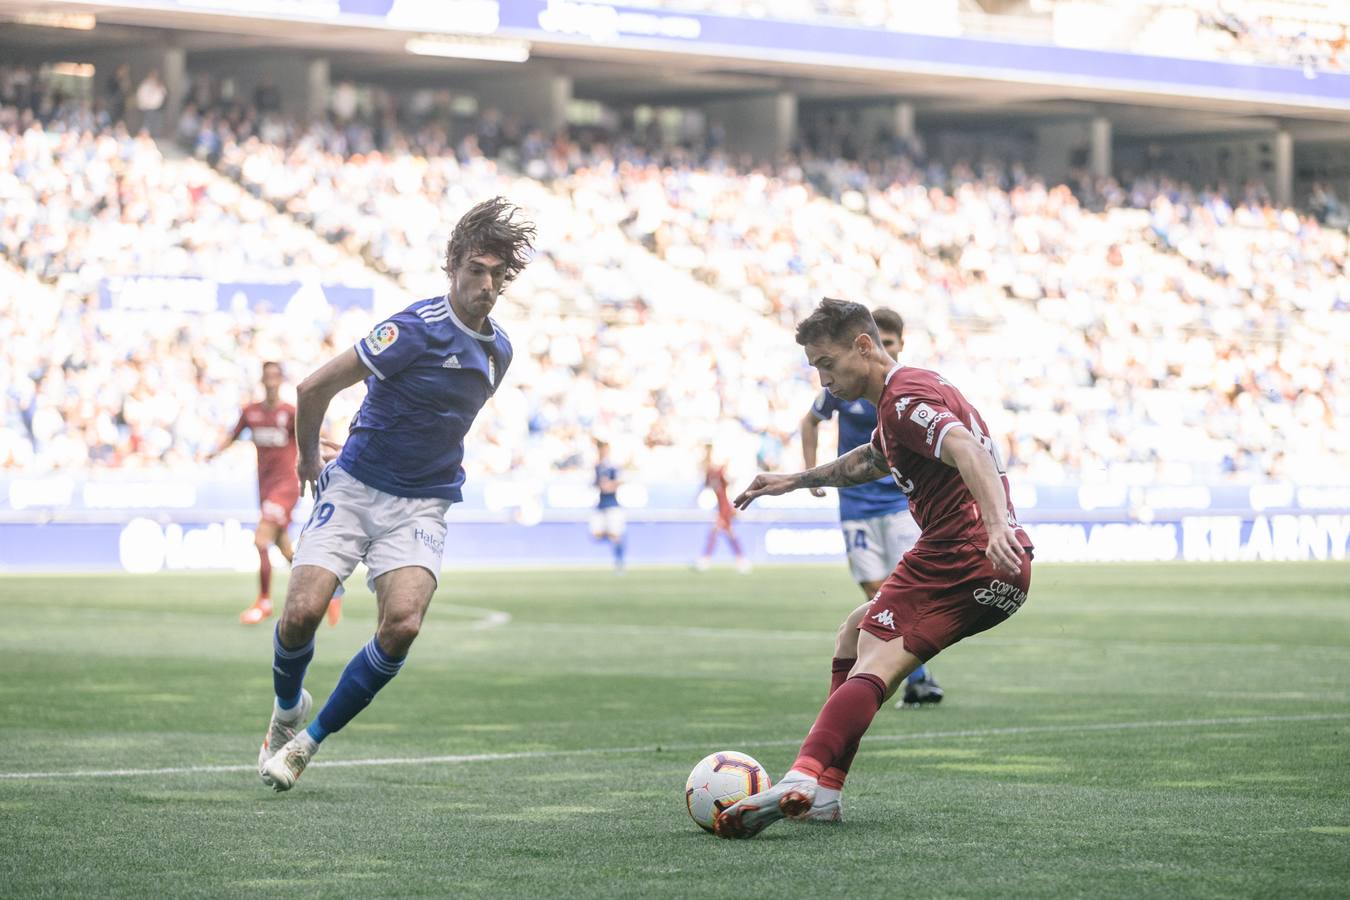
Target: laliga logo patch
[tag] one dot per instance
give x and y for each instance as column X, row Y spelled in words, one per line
column 922, row 414
column 382, row 338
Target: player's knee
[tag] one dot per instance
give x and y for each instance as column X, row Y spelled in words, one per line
column 397, row 633
column 299, row 621
column 262, row 541
column 846, row 640
column 306, row 604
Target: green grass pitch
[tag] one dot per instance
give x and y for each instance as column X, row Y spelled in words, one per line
column 1176, row 730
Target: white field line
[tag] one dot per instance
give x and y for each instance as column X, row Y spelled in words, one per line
column 666, row 748
column 487, row 618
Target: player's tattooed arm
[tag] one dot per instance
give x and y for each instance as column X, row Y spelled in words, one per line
column 858, row 466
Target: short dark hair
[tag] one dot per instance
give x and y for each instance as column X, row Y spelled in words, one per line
column 492, row 227
column 888, row 320
column 273, row 362
column 839, row 321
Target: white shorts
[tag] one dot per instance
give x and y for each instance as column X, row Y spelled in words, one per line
column 876, row 545
column 353, row 522
column 608, row 521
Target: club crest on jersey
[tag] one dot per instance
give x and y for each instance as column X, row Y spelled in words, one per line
column 382, row 338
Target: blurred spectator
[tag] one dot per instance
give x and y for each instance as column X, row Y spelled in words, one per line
column 150, row 98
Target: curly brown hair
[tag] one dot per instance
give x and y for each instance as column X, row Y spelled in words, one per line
column 494, row 227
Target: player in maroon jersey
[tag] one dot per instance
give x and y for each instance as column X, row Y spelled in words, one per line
column 715, row 477
column 970, row 570
column 271, row 424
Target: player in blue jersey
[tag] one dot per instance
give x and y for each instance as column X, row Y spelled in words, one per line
column 607, row 522
column 428, row 371
column 878, row 528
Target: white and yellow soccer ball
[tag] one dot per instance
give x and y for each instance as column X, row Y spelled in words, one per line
column 719, row 780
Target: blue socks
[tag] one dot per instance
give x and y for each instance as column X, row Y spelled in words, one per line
column 370, row 669
column 288, row 670
column 917, row 675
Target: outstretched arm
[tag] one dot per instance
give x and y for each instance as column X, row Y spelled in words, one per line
column 858, row 466
column 229, row 439
column 311, row 403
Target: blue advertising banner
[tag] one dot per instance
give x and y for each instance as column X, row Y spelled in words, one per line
column 114, row 495
column 145, row 545
column 157, row 293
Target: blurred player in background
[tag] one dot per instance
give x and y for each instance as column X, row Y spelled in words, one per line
column 878, row 528
column 271, row 425
column 970, row 570
column 715, row 478
column 428, row 371
column 607, row 522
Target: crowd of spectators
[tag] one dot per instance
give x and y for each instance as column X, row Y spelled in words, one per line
column 1145, row 332
column 1313, row 35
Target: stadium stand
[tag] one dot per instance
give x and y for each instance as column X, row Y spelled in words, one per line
column 1313, row 35
column 1141, row 333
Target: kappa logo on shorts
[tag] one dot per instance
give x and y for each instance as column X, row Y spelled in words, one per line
column 885, row 618
column 1001, row 595
column 382, row 338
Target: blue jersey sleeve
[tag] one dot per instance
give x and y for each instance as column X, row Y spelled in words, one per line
column 826, row 406
column 393, row 345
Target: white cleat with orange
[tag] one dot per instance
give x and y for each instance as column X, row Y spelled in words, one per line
column 286, row 766
column 824, row 811
column 283, row 727
column 790, row 798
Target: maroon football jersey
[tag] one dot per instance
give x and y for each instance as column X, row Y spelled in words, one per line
column 917, row 411
column 273, row 430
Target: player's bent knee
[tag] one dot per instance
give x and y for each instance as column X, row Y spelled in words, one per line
column 888, row 660
column 396, row 636
column 846, row 640
column 307, row 596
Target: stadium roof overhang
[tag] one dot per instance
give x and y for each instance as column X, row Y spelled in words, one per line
column 659, row 72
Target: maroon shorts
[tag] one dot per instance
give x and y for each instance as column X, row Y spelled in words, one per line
column 277, row 504
column 937, row 596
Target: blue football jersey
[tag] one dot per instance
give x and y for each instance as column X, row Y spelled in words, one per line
column 857, row 421
column 608, row 499
column 430, row 375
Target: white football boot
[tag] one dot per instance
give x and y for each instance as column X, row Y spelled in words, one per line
column 282, row 728
column 790, row 798
column 286, row 766
column 824, row 811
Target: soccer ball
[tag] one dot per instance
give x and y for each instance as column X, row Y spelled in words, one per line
column 719, row 780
